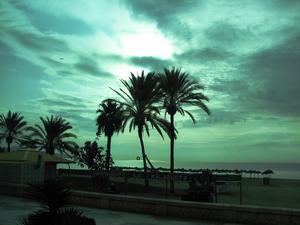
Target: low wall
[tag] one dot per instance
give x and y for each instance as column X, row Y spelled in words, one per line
column 175, row 208
column 184, row 209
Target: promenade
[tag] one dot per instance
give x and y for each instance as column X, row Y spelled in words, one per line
column 12, row 209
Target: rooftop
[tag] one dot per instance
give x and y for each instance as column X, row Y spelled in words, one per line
column 30, row 156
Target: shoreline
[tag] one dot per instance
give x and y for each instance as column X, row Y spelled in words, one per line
column 287, row 175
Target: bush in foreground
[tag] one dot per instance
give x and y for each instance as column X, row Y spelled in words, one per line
column 54, row 197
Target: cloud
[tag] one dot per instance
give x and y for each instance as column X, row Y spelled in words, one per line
column 64, row 73
column 78, row 111
column 152, row 63
column 230, row 86
column 38, row 42
column 224, row 35
column 90, row 66
column 266, row 81
column 62, row 102
column 218, row 116
column 58, row 103
column 274, row 73
column 51, row 62
column 46, row 22
column 203, row 55
column 167, row 15
column 80, row 123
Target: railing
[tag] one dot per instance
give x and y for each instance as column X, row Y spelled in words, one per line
column 179, row 176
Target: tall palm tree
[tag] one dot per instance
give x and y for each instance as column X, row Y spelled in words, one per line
column 140, row 96
column 109, row 121
column 51, row 136
column 12, row 126
column 179, row 90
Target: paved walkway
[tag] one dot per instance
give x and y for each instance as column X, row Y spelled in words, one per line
column 12, row 209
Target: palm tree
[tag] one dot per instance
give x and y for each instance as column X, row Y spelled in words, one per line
column 12, row 126
column 51, row 136
column 179, row 90
column 109, row 121
column 54, row 197
column 140, row 97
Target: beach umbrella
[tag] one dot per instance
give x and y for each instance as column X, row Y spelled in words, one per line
column 266, row 180
column 268, row 172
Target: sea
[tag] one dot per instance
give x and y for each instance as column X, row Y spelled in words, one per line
column 281, row 170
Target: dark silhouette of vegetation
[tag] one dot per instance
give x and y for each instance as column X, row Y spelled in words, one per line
column 51, row 136
column 109, row 121
column 179, row 90
column 91, row 155
column 53, row 197
column 12, row 127
column 140, row 99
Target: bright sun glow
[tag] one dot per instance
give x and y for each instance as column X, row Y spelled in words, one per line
column 123, row 71
column 146, row 44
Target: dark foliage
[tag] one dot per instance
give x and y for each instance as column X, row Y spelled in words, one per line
column 179, row 90
column 12, row 128
column 111, row 116
column 91, row 155
column 53, row 135
column 140, row 99
column 54, row 197
column 68, row 216
column 109, row 121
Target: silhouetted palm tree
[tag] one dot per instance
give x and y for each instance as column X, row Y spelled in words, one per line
column 109, row 121
column 12, row 126
column 51, row 136
column 179, row 90
column 54, row 197
column 140, row 97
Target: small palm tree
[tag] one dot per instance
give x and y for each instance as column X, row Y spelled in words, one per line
column 109, row 121
column 179, row 90
column 12, row 126
column 141, row 96
column 51, row 136
column 54, row 197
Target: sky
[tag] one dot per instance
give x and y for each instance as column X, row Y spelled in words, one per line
column 61, row 57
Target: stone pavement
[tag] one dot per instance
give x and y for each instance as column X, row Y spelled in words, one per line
column 12, row 209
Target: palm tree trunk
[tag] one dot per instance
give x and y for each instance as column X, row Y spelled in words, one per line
column 8, row 146
column 172, row 139
column 50, row 150
column 8, row 141
column 151, row 165
column 140, row 132
column 108, row 152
